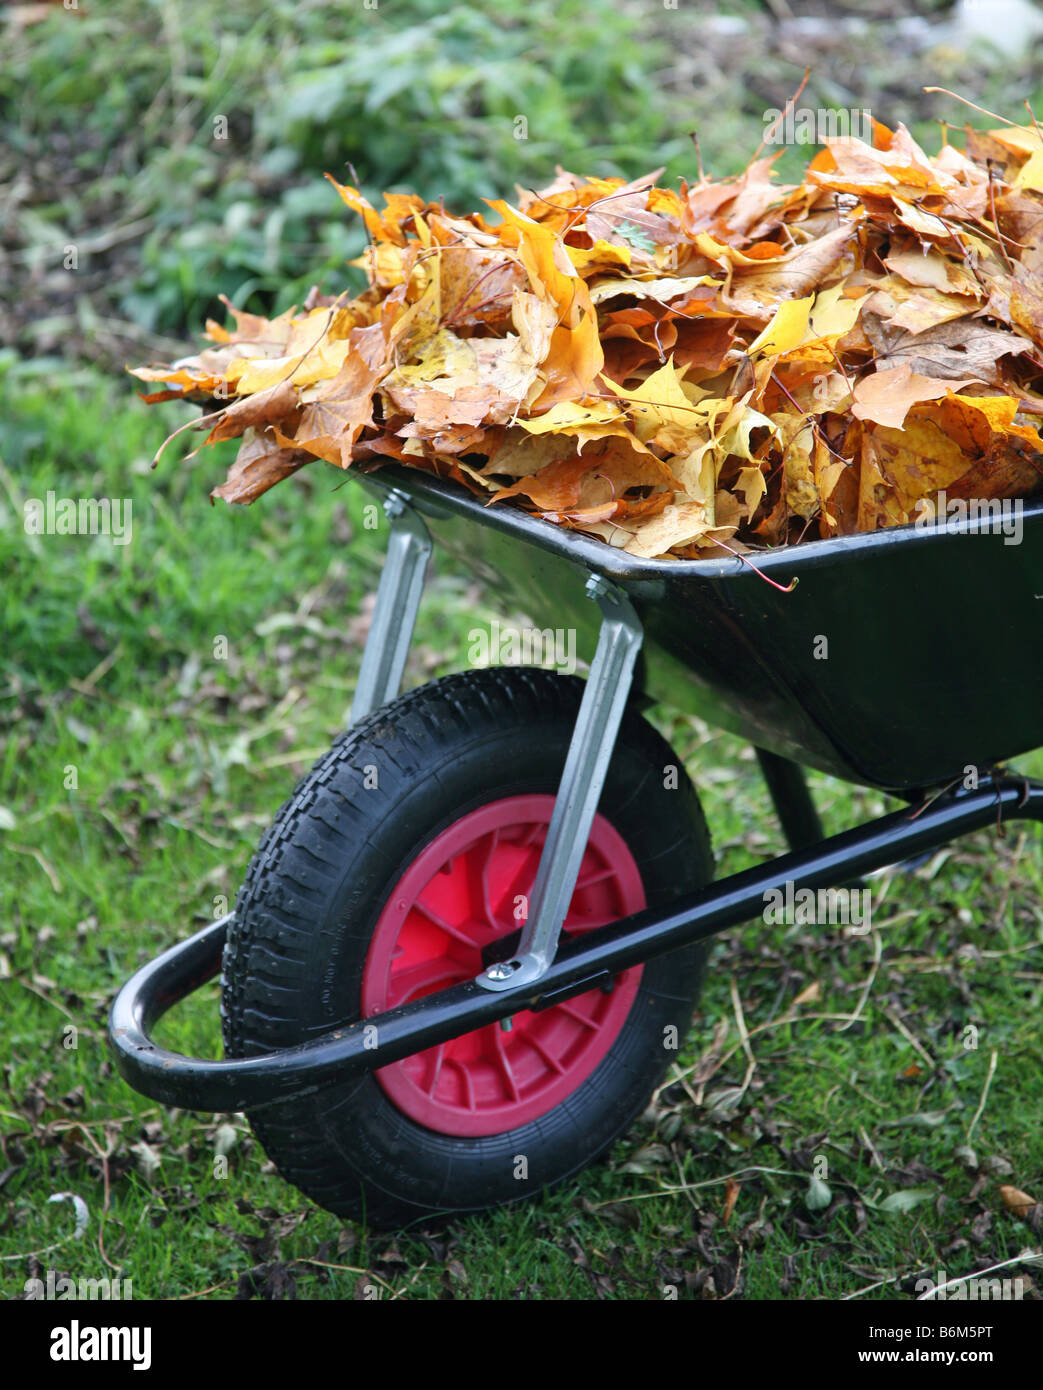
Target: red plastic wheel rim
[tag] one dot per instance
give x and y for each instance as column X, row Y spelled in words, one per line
column 458, row 895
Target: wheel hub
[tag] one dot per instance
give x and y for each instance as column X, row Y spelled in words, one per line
column 464, row 894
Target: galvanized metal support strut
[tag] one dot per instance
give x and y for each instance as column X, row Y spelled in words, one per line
column 394, row 615
column 586, row 766
column 590, row 751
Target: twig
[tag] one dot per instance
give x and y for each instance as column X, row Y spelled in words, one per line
column 910, row 1037
column 350, row 1269
column 29, row 1254
column 744, row 1036
column 872, row 1150
column 104, row 1155
column 973, row 105
column 86, row 687
column 782, row 115
column 993, row 1060
column 53, row 878
column 1026, row 1257
column 695, row 1186
column 774, row 1023
column 877, row 953
column 40, row 994
column 868, row 1288
column 698, row 155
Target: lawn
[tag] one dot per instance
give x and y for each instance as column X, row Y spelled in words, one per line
column 859, row 1072
column 846, row 1108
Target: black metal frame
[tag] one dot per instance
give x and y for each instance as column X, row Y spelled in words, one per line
column 350, row 1052
column 788, row 788
column 887, row 716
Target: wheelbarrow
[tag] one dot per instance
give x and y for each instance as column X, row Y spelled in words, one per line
column 470, row 944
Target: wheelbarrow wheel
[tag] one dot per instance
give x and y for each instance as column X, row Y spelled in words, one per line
column 405, row 853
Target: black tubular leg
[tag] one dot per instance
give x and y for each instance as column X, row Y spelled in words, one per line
column 794, row 807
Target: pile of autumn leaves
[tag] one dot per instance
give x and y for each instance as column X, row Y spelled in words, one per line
column 734, row 365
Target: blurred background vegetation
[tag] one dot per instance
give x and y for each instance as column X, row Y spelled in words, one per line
column 181, row 148
column 124, row 213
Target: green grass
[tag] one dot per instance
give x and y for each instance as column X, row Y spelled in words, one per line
column 181, row 760
column 185, row 158
column 112, row 676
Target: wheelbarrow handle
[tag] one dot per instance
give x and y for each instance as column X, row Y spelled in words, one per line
column 349, row 1052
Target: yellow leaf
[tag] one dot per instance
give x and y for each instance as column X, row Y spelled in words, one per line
column 568, row 417
column 663, row 289
column 383, row 263
column 1030, row 175
column 753, row 487
column 323, row 361
column 603, row 255
column 658, row 401
column 787, row 329
column 832, row 314
column 735, row 436
column 534, row 321
column 677, row 524
column 583, row 422
column 1024, row 138
column 443, row 355
column 923, row 223
column 722, row 253
column 800, row 488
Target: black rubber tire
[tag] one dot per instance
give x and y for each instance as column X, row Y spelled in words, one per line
column 314, row 891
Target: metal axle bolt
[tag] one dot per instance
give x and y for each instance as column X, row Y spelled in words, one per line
column 502, row 970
